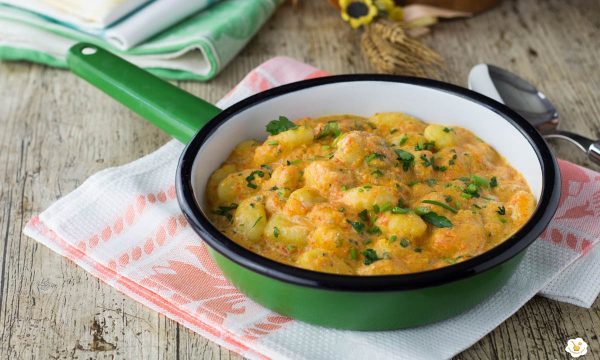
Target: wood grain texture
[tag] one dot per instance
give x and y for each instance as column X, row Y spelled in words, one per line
column 55, row 131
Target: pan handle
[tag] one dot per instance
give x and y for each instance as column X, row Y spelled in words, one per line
column 175, row 111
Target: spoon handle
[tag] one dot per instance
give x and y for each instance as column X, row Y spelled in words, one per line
column 589, row 146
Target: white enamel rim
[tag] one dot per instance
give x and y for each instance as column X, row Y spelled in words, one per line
column 365, row 95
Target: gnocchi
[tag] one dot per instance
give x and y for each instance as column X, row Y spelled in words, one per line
column 388, row 194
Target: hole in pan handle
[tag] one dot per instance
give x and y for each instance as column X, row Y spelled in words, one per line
column 173, row 110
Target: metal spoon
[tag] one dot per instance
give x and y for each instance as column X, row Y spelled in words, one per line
column 524, row 98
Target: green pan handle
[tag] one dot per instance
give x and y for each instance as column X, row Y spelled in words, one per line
column 175, row 111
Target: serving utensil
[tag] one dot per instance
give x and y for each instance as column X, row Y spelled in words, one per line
column 524, row 98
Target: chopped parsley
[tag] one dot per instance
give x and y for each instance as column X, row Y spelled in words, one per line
column 267, row 167
column 493, row 182
column 250, row 178
column 433, row 218
column 452, row 260
column 276, row 231
column 386, row 207
column 393, row 238
column 471, row 191
column 370, row 256
column 431, row 182
column 400, row 210
column 480, row 181
column 403, row 140
column 452, row 161
column 273, row 142
column 447, row 129
column 275, row 127
column 374, row 230
column 357, row 226
column 256, row 222
column 373, row 156
column 225, row 211
column 353, row 254
column 364, row 215
column 441, row 204
column 293, row 162
column 427, row 145
column 501, row 210
column 427, row 162
column 406, row 159
column 330, row 129
column 404, row 242
column 377, row 173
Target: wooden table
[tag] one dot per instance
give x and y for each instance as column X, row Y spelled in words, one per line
column 56, row 131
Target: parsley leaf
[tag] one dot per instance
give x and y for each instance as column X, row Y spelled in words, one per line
column 427, row 145
column 256, row 222
column 440, row 204
column 375, row 230
column 400, row 210
column 330, row 129
column 436, row 220
column 404, row 242
column 377, row 173
column 406, row 159
column 250, row 178
column 364, row 215
column 276, row 231
column 370, row 256
column 274, row 127
column 373, row 156
column 427, row 162
column 501, row 210
column 480, row 181
column 353, row 254
column 357, row 226
column 225, row 211
column 493, row 182
column 403, row 140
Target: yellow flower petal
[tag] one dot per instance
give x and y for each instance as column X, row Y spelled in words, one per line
column 358, row 12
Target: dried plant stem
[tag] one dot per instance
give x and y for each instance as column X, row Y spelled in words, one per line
column 390, row 50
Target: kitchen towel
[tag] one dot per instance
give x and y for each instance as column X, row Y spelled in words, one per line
column 123, row 24
column 196, row 48
column 89, row 15
column 124, row 226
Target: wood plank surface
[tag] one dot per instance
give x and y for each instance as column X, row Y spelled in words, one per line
column 55, row 131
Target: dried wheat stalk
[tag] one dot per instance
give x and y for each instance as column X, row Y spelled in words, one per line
column 390, row 50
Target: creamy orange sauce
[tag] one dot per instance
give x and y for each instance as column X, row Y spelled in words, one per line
column 388, row 194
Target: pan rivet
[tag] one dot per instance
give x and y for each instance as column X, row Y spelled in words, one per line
column 88, row 51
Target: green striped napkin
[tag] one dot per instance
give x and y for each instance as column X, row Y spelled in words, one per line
column 197, row 48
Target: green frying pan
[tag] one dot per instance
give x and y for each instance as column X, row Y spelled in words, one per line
column 349, row 302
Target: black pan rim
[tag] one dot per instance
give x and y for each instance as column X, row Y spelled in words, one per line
column 518, row 242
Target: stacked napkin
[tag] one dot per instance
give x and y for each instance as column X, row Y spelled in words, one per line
column 124, row 226
column 175, row 39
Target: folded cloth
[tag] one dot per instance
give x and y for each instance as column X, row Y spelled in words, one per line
column 92, row 15
column 151, row 20
column 196, row 48
column 124, row 226
column 116, row 21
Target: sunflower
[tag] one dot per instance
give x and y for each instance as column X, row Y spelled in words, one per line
column 358, row 12
column 392, row 7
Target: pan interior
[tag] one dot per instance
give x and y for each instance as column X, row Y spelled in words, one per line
column 366, row 98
